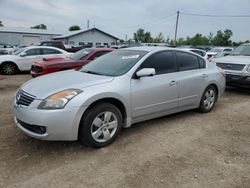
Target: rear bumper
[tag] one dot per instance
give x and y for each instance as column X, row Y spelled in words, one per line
column 238, row 80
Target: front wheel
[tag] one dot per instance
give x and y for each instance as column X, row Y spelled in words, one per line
column 9, row 68
column 100, row 125
column 208, row 99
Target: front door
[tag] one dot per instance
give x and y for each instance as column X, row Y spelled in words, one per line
column 159, row 93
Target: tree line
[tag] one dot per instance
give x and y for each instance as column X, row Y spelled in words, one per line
column 222, row 38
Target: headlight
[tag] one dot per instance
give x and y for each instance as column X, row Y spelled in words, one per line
column 59, row 100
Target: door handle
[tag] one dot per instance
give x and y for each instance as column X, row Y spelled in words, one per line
column 204, row 76
column 173, row 83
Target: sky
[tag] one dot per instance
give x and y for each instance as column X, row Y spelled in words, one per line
column 124, row 17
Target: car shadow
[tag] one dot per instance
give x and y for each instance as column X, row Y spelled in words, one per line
column 244, row 91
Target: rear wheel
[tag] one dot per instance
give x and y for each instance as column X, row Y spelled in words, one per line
column 208, row 99
column 9, row 68
column 100, row 125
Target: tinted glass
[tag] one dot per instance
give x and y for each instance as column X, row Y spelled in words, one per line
column 115, row 63
column 50, row 51
column 162, row 62
column 31, row 52
column 187, row 61
column 199, row 52
column 202, row 63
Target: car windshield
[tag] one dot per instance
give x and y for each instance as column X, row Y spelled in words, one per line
column 242, row 50
column 81, row 54
column 19, row 51
column 115, row 63
column 216, row 50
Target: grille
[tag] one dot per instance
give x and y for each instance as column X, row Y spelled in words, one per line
column 33, row 128
column 36, row 69
column 23, row 98
column 231, row 66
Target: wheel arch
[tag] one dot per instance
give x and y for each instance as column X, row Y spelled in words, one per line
column 112, row 100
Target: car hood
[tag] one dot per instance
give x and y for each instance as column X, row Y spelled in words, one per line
column 47, row 85
column 233, row 59
column 51, row 61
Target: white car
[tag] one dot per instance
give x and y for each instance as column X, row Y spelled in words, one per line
column 22, row 59
column 200, row 52
column 214, row 51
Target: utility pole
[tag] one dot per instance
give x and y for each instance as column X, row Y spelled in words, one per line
column 176, row 27
column 87, row 24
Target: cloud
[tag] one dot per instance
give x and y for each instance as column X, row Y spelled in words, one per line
column 124, row 17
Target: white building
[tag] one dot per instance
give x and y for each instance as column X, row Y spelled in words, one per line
column 23, row 36
column 92, row 37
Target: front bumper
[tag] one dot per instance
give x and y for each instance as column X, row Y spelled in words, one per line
column 238, row 80
column 59, row 124
column 36, row 74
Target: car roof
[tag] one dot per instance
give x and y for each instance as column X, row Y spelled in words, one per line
column 147, row 48
column 189, row 49
column 47, row 47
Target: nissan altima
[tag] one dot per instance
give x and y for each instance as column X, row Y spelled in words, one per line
column 114, row 91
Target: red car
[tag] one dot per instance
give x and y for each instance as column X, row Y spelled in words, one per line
column 76, row 60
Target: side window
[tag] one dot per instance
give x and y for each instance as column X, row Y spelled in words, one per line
column 97, row 54
column 162, row 62
column 202, row 63
column 199, row 52
column 36, row 51
column 187, row 61
column 50, row 51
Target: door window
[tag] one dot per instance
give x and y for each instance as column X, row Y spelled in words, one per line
column 31, row 52
column 46, row 51
column 187, row 61
column 162, row 62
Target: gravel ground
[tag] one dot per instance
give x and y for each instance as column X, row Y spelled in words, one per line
column 187, row 149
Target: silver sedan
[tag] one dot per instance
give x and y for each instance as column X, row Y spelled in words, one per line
column 114, row 91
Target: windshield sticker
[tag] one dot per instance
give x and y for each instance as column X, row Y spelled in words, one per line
column 130, row 57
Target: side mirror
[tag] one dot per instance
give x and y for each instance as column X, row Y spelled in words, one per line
column 145, row 72
column 23, row 54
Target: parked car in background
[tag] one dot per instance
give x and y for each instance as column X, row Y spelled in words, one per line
column 5, row 48
column 214, row 51
column 22, row 59
column 221, row 54
column 236, row 66
column 60, row 44
column 116, row 90
column 200, row 52
column 53, row 43
column 76, row 60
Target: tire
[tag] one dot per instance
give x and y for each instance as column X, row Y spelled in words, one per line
column 208, row 99
column 100, row 125
column 9, row 68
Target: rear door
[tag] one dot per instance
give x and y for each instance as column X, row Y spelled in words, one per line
column 158, row 93
column 192, row 78
column 47, row 53
column 31, row 55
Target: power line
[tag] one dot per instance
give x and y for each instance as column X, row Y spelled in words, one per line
column 147, row 24
column 216, row 15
